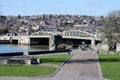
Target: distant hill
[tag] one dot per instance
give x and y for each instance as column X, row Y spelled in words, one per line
column 30, row 24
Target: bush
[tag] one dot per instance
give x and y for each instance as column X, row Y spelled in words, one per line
column 61, row 47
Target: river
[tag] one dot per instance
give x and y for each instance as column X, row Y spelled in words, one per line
column 8, row 48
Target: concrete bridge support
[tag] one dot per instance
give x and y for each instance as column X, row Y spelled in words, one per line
column 93, row 41
column 24, row 40
column 54, row 41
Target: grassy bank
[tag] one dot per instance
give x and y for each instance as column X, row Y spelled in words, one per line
column 110, row 65
column 34, row 70
column 31, row 70
column 54, row 59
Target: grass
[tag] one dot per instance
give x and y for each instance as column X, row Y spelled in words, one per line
column 23, row 70
column 34, row 70
column 54, row 59
column 110, row 65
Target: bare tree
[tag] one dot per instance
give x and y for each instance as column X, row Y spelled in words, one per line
column 111, row 29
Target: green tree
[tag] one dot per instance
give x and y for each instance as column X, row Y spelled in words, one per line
column 3, row 30
column 2, row 19
column 111, row 29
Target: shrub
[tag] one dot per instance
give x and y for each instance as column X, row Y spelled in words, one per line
column 61, row 47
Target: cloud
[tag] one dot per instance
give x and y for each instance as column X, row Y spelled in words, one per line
column 13, row 5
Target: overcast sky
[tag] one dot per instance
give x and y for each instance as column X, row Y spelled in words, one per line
column 79, row 7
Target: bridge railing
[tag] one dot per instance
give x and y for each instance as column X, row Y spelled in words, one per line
column 66, row 33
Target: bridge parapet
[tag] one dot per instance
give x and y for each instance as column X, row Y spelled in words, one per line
column 68, row 33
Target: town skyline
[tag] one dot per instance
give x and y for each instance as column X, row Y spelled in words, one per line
column 73, row 7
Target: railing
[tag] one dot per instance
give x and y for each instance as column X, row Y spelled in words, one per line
column 67, row 33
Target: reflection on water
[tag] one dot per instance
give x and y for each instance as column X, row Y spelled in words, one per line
column 5, row 48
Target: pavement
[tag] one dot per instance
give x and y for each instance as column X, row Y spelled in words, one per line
column 83, row 65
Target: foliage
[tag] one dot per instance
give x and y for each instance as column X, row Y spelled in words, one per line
column 19, row 16
column 3, row 30
column 2, row 19
column 110, row 65
column 24, row 70
column 61, row 47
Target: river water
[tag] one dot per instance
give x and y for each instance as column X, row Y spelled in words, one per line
column 8, row 48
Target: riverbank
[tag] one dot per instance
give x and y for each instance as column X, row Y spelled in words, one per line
column 82, row 65
column 47, row 67
column 32, row 53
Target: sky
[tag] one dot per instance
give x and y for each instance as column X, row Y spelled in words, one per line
column 73, row 7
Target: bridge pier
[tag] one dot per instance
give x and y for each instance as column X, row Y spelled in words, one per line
column 51, row 43
column 24, row 40
column 93, row 41
column 54, row 41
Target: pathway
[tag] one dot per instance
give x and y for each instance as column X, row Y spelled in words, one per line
column 83, row 65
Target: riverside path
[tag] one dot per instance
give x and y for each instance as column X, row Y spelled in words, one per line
column 83, row 65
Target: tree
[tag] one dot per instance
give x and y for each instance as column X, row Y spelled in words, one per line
column 3, row 30
column 19, row 16
column 111, row 29
column 2, row 19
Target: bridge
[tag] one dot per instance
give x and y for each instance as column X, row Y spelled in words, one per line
column 70, row 34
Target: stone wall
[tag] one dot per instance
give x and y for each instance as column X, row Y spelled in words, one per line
column 16, row 60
